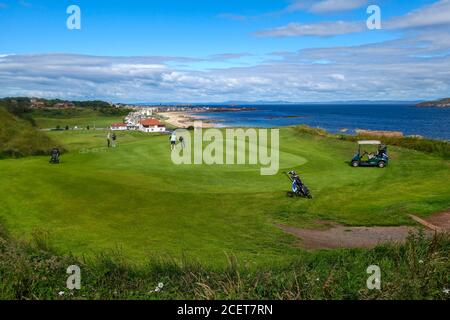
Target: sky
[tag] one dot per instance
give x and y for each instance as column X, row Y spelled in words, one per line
column 225, row 50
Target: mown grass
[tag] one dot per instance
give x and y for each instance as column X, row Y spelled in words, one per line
column 134, row 198
column 418, row 269
column 131, row 219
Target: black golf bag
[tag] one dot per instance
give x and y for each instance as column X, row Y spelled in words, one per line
column 299, row 189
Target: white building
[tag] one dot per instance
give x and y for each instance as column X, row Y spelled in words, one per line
column 132, row 127
column 151, row 125
column 119, row 127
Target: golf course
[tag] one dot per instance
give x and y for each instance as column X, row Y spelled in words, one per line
column 134, row 200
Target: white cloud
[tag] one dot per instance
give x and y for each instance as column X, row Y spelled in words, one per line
column 324, row 29
column 416, row 67
column 338, row 76
column 325, row 6
column 337, row 5
column 436, row 14
column 432, row 15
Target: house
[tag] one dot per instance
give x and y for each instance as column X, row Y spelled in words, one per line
column 64, row 105
column 119, row 127
column 151, row 125
column 35, row 103
column 132, row 126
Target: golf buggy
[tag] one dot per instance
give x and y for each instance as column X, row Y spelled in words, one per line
column 378, row 159
column 298, row 187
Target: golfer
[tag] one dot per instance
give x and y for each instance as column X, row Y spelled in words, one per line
column 108, row 139
column 181, row 139
column 114, row 137
column 173, row 140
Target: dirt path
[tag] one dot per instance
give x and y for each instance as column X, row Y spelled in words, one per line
column 441, row 220
column 339, row 236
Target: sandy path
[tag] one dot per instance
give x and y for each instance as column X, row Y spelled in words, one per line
column 339, row 236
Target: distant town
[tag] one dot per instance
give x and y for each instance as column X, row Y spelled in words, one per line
column 144, row 118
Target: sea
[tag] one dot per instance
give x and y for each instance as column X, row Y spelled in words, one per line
column 410, row 120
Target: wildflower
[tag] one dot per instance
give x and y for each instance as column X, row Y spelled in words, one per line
column 446, row 290
column 420, row 261
column 61, row 293
column 159, row 287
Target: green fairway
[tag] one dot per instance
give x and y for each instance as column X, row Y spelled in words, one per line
column 133, row 198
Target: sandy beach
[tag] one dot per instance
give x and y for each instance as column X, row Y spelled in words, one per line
column 184, row 119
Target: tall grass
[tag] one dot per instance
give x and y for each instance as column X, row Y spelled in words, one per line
column 437, row 147
column 18, row 138
column 417, row 269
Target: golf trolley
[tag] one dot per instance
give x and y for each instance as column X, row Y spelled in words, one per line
column 299, row 189
column 55, row 154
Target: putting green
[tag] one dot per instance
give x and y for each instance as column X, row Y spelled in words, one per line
column 134, row 198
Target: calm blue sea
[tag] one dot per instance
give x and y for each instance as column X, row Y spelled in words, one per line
column 427, row 122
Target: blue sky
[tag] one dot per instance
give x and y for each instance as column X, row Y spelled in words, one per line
column 205, row 50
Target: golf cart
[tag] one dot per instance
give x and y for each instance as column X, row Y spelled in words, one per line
column 365, row 159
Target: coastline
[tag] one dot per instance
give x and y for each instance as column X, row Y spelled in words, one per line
column 185, row 119
column 406, row 120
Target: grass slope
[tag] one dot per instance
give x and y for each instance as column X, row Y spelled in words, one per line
column 134, row 199
column 418, row 269
column 80, row 117
column 19, row 138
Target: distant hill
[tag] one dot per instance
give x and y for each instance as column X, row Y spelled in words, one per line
column 261, row 102
column 19, row 138
column 442, row 103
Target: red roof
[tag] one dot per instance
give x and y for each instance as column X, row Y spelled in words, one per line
column 119, row 125
column 150, row 122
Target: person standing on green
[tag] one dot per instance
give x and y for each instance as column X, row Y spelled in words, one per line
column 114, row 137
column 181, row 139
column 108, row 139
column 173, row 140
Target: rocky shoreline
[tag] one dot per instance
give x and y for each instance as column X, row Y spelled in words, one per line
column 443, row 103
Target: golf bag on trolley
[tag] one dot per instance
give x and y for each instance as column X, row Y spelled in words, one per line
column 55, row 153
column 299, row 189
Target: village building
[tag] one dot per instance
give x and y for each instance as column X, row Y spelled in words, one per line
column 119, row 127
column 151, row 125
column 64, row 105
